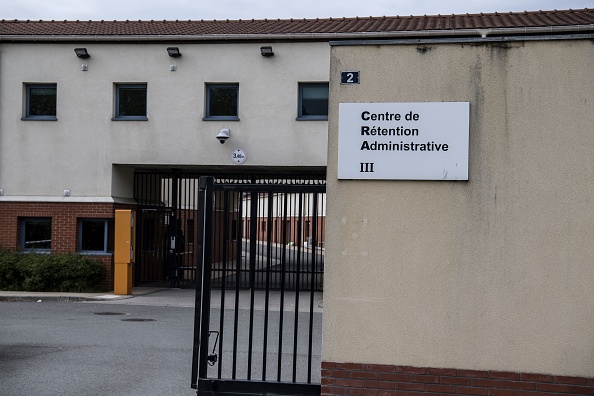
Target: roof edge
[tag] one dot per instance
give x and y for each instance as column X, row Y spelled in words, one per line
column 323, row 19
column 483, row 32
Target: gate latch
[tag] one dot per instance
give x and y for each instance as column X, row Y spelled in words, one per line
column 212, row 358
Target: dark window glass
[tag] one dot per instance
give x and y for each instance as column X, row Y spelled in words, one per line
column 131, row 101
column 36, row 234
column 41, row 101
column 221, row 100
column 93, row 235
column 313, row 101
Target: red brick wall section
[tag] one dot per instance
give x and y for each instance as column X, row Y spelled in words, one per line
column 384, row 380
column 64, row 225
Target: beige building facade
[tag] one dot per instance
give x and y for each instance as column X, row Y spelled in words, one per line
column 126, row 125
column 176, row 131
column 481, row 282
column 432, row 278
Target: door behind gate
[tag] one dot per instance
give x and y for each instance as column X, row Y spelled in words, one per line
column 258, row 292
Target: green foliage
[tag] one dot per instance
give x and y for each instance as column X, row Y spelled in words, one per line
column 49, row 272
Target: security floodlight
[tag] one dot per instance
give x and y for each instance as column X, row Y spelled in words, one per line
column 82, row 53
column 266, row 51
column 173, row 52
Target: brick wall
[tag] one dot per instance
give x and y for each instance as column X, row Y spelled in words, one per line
column 64, row 226
column 386, row 380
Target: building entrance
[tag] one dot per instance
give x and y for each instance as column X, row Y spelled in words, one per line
column 282, row 225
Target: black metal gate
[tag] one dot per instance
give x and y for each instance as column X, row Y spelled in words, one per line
column 258, row 294
column 166, row 229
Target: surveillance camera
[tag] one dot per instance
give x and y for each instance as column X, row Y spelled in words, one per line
column 223, row 135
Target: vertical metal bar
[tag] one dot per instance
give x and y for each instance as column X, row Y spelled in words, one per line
column 252, row 274
column 238, row 261
column 312, row 287
column 142, row 265
column 139, row 241
column 282, row 288
column 297, row 285
column 183, row 219
column 294, row 239
column 267, row 296
column 253, row 237
column 226, row 210
column 202, row 303
column 173, row 232
column 196, row 213
column 260, row 247
column 151, row 189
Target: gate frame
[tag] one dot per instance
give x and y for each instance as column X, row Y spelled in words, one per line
column 200, row 357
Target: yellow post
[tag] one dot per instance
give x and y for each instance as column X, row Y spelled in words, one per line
column 124, row 248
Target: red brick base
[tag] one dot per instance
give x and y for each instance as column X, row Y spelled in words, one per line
column 64, row 226
column 386, row 380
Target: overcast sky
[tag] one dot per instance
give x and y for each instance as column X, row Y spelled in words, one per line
column 260, row 9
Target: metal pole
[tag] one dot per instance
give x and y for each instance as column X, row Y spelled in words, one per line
column 203, row 263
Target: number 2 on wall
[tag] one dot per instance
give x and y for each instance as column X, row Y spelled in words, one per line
column 349, row 77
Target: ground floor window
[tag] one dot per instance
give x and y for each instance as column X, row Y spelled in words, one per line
column 94, row 235
column 36, row 234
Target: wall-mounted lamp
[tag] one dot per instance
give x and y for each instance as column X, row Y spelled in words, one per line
column 266, row 51
column 174, row 52
column 223, row 135
column 1, row 192
column 66, row 193
column 82, row 53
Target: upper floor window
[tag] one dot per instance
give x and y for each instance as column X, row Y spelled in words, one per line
column 130, row 102
column 221, row 102
column 313, row 101
column 94, row 235
column 36, row 234
column 40, row 102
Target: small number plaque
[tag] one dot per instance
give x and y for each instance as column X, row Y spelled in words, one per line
column 349, row 77
column 239, row 156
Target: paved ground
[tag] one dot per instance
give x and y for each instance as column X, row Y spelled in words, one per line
column 91, row 348
column 102, row 344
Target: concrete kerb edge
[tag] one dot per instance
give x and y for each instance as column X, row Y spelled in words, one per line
column 68, row 297
column 48, row 298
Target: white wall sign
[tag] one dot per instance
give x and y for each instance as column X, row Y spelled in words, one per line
column 403, row 141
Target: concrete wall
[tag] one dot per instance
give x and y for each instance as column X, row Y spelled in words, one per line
column 42, row 158
column 495, row 273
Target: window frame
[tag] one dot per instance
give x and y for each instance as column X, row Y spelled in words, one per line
column 106, row 236
column 300, row 115
column 23, row 231
column 117, row 111
column 27, row 116
column 207, row 98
